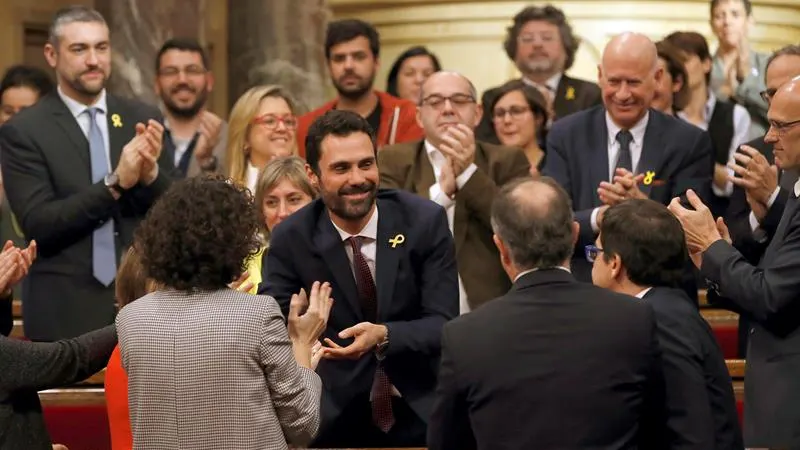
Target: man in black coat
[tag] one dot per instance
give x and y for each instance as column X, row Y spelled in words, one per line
column 641, row 251
column 555, row 363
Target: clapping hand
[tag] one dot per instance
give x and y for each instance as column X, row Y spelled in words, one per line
column 14, row 265
column 308, row 317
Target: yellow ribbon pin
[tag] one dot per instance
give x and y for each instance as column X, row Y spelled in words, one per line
column 397, row 240
column 116, row 120
column 570, row 93
column 648, row 177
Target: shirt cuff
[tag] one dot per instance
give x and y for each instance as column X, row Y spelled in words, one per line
column 439, row 197
column 593, row 220
column 462, row 179
column 773, row 197
column 725, row 191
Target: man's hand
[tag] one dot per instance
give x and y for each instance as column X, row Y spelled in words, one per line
column 243, row 283
column 153, row 133
column 699, row 226
column 14, row 265
column 130, row 161
column 447, row 178
column 210, row 130
column 743, row 59
column 459, row 144
column 60, row 447
column 755, row 175
column 308, row 317
column 625, row 186
column 366, row 336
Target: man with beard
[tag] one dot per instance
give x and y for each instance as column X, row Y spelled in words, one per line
column 196, row 136
column 81, row 167
column 390, row 259
column 542, row 46
column 623, row 149
column 352, row 48
column 460, row 173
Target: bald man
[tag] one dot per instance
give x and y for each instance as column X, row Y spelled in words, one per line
column 769, row 293
column 623, row 149
column 462, row 175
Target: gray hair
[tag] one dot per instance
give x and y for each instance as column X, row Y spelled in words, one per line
column 71, row 14
column 533, row 218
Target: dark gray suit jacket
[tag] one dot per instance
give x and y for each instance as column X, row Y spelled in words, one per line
column 770, row 294
column 47, row 177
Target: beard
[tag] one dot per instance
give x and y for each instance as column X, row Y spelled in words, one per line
column 186, row 112
column 82, row 87
column 346, row 208
column 538, row 65
column 357, row 92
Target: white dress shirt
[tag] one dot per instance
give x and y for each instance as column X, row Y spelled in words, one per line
column 636, row 146
column 525, row 272
column 741, row 135
column 437, row 160
column 79, row 111
column 643, row 293
column 551, row 84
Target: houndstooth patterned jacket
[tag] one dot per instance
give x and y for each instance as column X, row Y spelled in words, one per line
column 214, row 370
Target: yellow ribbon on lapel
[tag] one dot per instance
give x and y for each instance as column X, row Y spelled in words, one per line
column 648, row 177
column 570, row 93
column 397, row 240
column 116, row 121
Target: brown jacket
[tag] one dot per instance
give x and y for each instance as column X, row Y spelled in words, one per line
column 406, row 166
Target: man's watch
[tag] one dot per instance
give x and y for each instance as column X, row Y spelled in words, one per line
column 380, row 349
column 112, row 182
column 209, row 164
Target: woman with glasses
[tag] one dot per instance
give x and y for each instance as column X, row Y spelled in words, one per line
column 519, row 113
column 262, row 126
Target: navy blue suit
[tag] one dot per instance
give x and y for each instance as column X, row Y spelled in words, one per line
column 417, row 285
column 677, row 153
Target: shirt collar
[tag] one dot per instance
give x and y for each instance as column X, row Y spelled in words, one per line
column 637, row 131
column 710, row 104
column 370, row 230
column 797, row 188
column 551, row 83
column 643, row 293
column 523, row 273
column 77, row 108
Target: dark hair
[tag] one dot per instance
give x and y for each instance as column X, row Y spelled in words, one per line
column 533, row 217
column 346, row 30
column 648, row 239
column 693, row 43
column 337, row 123
column 26, row 76
column 71, row 14
column 132, row 282
column 391, row 80
column 199, row 234
column 547, row 13
column 748, row 7
column 182, row 44
column 789, row 50
column 676, row 67
column 534, row 98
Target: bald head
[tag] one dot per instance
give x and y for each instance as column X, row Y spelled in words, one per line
column 447, row 99
column 632, row 47
column 784, row 130
column 629, row 74
column 533, row 219
column 446, row 76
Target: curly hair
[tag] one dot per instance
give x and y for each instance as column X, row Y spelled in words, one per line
column 547, row 13
column 199, row 234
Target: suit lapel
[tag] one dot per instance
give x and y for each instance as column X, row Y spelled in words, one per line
column 560, row 102
column 389, row 250
column 423, row 175
column 599, row 164
column 331, row 247
column 652, row 153
column 69, row 125
column 120, row 130
column 461, row 214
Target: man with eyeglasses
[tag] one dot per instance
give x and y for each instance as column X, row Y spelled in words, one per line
column 542, row 46
column 641, row 252
column 462, row 175
column 768, row 292
column 761, row 189
column 196, row 136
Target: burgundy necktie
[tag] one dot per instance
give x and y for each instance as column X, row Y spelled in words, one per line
column 382, row 414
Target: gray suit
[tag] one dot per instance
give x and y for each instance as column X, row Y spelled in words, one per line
column 770, row 294
column 214, row 370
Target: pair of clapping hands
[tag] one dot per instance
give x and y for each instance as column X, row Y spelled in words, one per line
column 139, row 158
column 624, row 186
column 14, row 265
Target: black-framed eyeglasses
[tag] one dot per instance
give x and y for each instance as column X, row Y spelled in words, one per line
column 768, row 94
column 592, row 251
column 781, row 128
column 456, row 100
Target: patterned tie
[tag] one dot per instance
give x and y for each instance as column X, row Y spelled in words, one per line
column 104, row 259
column 382, row 414
column 624, row 159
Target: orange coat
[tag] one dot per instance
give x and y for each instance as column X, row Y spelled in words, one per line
column 117, row 403
column 406, row 129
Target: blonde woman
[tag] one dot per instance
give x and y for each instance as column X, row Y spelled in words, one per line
column 282, row 188
column 262, row 126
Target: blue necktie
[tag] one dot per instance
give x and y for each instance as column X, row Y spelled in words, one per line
column 104, row 258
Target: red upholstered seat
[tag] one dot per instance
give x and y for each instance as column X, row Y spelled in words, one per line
column 727, row 335
column 77, row 418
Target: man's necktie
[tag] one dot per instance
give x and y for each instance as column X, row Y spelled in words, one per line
column 104, row 259
column 382, row 414
column 624, row 159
